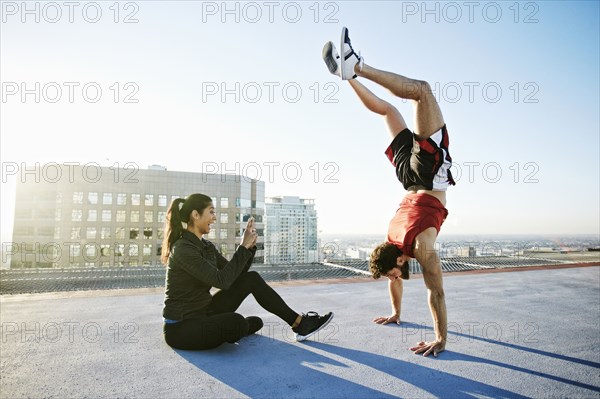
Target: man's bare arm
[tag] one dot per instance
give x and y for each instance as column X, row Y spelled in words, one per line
column 429, row 260
column 395, row 287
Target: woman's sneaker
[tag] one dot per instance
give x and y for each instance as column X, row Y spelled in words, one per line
column 349, row 57
column 255, row 323
column 311, row 323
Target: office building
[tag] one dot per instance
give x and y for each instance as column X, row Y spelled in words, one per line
column 93, row 216
column 291, row 231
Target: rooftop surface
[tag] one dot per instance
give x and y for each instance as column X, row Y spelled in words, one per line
column 531, row 333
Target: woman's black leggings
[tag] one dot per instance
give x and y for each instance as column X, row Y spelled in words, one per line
column 221, row 324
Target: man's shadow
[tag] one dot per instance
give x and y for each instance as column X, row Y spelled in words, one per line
column 437, row 383
column 453, row 356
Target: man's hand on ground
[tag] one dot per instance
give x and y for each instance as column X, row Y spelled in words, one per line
column 426, row 348
column 389, row 319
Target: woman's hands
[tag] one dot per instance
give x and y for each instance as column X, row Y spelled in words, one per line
column 250, row 236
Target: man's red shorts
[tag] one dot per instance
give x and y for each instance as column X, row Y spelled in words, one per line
column 417, row 212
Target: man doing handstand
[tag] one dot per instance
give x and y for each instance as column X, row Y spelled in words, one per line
column 422, row 164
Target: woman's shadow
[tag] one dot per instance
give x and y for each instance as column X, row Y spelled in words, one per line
column 260, row 366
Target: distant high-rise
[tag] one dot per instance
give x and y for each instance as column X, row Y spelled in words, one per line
column 291, row 231
column 472, row 252
column 92, row 216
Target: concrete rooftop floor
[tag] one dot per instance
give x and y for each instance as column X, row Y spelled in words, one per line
column 533, row 333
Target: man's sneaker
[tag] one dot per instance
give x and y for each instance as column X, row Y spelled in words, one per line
column 310, row 324
column 331, row 58
column 349, row 57
column 255, row 323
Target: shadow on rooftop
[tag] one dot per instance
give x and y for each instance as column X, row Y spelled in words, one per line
column 272, row 368
column 437, row 383
column 449, row 355
column 264, row 367
column 505, row 344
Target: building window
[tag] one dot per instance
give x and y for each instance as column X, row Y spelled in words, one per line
column 149, row 200
column 133, row 250
column 148, row 216
column 119, row 250
column 56, row 233
column 224, row 202
column 147, row 233
column 76, row 215
column 59, row 196
column 29, row 246
column 224, row 249
column 242, row 203
column 90, row 250
column 134, row 232
column 92, row 198
column 160, row 233
column 92, row 215
column 78, row 197
column 90, row 233
column 212, row 235
column 162, row 200
column 224, row 217
column 106, row 215
column 46, row 196
column 120, row 233
column 44, row 213
column 74, row 250
column 161, row 216
column 135, row 199
column 223, row 234
column 57, row 215
column 105, row 233
column 104, row 250
column 75, row 233
column 121, row 216
column 107, row 199
column 147, row 250
column 121, row 199
column 135, row 216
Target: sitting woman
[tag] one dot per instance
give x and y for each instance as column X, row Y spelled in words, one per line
column 193, row 317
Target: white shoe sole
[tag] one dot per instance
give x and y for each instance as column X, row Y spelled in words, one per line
column 303, row 337
column 331, row 58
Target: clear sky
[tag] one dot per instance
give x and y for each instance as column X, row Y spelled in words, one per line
column 241, row 86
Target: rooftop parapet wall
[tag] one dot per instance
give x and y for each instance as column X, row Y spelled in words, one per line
column 19, row 281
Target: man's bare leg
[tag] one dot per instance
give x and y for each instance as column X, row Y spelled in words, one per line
column 393, row 118
column 428, row 115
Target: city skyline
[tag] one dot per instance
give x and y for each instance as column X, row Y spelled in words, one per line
column 219, row 87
